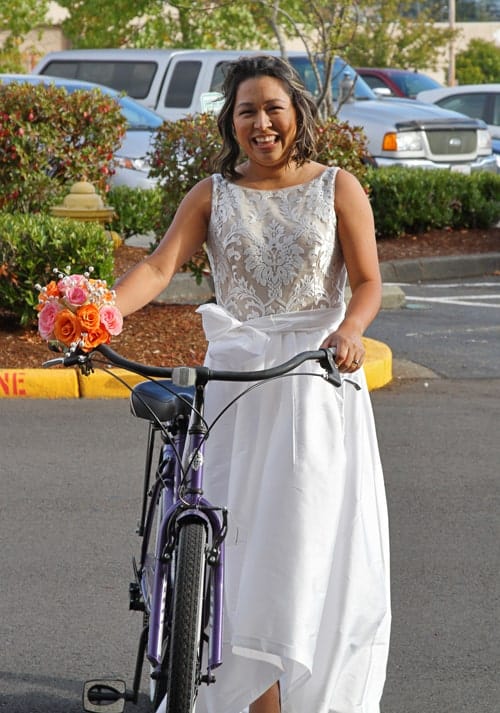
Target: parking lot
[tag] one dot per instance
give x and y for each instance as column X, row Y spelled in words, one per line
column 450, row 327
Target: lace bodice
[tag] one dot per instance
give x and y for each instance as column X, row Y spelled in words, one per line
column 275, row 251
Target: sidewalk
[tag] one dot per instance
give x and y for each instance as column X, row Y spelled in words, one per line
column 60, row 383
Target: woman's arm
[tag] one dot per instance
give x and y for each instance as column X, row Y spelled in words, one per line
column 186, row 235
column 356, row 232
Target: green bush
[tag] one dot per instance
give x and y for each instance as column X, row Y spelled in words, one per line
column 479, row 63
column 50, row 138
column 183, row 152
column 413, row 200
column 137, row 210
column 31, row 246
column 341, row 144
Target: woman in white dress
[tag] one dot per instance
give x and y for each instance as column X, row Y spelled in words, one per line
column 307, row 610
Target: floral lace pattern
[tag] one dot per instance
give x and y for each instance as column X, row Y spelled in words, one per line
column 275, row 251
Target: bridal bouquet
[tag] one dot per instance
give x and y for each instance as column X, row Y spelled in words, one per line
column 77, row 311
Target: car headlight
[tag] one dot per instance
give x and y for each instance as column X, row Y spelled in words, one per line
column 402, row 141
column 134, row 164
column 484, row 141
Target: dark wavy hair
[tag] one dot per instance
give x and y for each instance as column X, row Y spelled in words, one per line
column 304, row 146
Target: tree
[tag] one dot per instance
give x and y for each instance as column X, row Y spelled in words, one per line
column 189, row 24
column 17, row 18
column 392, row 34
column 479, row 63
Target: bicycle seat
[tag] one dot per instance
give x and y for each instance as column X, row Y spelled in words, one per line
column 153, row 396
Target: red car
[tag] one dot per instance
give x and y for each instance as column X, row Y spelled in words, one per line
column 397, row 82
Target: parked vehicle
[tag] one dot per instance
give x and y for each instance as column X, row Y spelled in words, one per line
column 179, row 82
column 131, row 160
column 397, row 82
column 480, row 101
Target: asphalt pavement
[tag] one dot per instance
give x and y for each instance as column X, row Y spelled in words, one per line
column 70, row 496
column 70, row 488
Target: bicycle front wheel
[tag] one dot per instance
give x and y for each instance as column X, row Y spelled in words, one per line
column 185, row 646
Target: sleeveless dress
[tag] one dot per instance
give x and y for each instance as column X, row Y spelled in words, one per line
column 295, row 461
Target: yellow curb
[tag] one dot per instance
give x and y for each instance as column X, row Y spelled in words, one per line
column 102, row 385
column 39, row 383
column 378, row 364
column 64, row 383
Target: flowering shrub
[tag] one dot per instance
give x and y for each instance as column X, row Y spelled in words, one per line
column 340, row 144
column 77, row 311
column 50, row 138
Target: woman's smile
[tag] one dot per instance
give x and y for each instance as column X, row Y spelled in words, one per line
column 265, row 120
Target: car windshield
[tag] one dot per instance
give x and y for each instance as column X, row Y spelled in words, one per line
column 138, row 117
column 341, row 70
column 412, row 83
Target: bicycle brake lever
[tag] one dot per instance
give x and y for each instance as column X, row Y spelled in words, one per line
column 328, row 363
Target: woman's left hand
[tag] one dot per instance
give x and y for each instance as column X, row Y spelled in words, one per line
column 349, row 350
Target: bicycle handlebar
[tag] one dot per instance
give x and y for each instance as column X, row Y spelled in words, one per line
column 200, row 375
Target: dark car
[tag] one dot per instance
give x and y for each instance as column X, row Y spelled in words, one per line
column 397, row 82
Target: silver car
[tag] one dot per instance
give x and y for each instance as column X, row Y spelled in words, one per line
column 480, row 101
column 131, row 160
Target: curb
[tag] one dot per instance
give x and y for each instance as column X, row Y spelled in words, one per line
column 440, row 268
column 63, row 383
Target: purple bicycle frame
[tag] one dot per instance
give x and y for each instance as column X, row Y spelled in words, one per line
column 198, row 508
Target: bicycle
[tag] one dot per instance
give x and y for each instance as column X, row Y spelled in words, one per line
column 179, row 578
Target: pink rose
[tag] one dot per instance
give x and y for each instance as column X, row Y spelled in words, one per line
column 76, row 295
column 46, row 319
column 111, row 318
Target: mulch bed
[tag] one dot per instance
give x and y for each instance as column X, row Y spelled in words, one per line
column 162, row 334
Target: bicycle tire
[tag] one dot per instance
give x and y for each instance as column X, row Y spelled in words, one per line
column 183, row 661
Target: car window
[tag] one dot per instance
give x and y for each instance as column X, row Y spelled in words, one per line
column 218, row 77
column 182, row 84
column 473, row 105
column 304, row 69
column 412, row 83
column 134, row 78
column 137, row 116
column 496, row 110
column 376, row 83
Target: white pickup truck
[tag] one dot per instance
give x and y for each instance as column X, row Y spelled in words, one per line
column 178, row 82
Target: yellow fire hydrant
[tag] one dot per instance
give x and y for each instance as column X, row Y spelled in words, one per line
column 83, row 203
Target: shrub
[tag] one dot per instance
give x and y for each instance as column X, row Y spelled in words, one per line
column 50, row 138
column 31, row 246
column 182, row 156
column 137, row 210
column 414, row 200
column 341, row 144
column 479, row 63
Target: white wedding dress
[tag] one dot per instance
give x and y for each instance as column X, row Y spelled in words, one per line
column 296, row 462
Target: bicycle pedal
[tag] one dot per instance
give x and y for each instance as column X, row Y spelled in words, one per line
column 104, row 695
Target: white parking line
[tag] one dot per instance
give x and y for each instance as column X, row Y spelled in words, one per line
column 462, row 301
column 446, row 285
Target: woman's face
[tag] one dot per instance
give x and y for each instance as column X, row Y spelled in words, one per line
column 265, row 120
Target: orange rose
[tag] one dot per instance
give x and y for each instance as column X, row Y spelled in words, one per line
column 89, row 317
column 67, row 327
column 51, row 290
column 94, row 337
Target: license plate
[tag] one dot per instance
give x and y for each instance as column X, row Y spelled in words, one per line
column 461, row 168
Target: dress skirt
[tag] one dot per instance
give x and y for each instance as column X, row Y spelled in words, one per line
column 296, row 462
